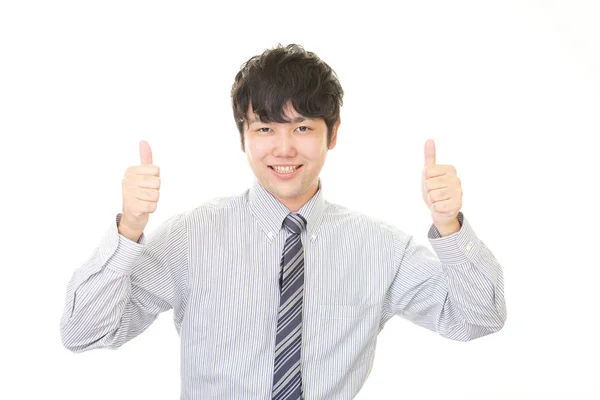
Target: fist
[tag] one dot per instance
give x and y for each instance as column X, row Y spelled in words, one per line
column 141, row 185
column 442, row 190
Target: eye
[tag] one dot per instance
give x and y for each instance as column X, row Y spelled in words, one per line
column 263, row 130
column 304, row 128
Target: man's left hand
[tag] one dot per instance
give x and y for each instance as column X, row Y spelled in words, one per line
column 442, row 192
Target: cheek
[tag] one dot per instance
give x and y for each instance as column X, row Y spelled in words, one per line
column 314, row 149
column 322, row 151
column 256, row 149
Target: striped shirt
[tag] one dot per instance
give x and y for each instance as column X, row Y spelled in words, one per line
column 217, row 266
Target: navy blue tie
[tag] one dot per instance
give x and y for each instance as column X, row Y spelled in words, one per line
column 287, row 379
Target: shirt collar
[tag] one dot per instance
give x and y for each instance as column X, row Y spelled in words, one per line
column 270, row 212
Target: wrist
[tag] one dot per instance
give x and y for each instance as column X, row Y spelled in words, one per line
column 126, row 231
column 448, row 229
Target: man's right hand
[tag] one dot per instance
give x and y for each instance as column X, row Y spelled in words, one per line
column 141, row 186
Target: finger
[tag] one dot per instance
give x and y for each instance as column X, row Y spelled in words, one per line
column 147, row 206
column 431, row 171
column 438, row 182
column 439, row 195
column 145, row 152
column 148, row 181
column 143, row 170
column 147, row 194
column 429, row 152
column 442, row 206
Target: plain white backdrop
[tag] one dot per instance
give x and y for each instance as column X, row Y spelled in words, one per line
column 509, row 91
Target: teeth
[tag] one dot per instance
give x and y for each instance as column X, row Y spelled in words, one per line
column 285, row 169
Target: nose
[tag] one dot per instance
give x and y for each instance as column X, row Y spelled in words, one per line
column 284, row 146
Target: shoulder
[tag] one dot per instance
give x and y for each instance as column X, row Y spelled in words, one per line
column 360, row 222
column 210, row 210
column 218, row 206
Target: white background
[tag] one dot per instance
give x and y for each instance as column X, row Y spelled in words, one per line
column 509, row 91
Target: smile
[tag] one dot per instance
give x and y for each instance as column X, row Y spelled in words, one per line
column 285, row 169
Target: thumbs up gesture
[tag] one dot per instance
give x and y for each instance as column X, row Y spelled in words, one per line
column 141, row 185
column 442, row 192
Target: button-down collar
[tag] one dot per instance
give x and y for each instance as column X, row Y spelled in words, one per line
column 270, row 212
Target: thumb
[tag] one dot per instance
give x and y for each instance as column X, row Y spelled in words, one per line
column 429, row 152
column 145, row 153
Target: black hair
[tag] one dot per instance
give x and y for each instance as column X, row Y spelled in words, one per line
column 282, row 74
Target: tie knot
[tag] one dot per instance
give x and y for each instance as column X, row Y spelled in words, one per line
column 294, row 223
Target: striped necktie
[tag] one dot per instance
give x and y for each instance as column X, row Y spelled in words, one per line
column 287, row 380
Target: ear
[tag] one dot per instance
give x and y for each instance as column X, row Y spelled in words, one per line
column 334, row 134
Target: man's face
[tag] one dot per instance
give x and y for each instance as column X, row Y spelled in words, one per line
column 286, row 158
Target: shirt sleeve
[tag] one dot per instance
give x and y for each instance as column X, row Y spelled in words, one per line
column 123, row 286
column 458, row 294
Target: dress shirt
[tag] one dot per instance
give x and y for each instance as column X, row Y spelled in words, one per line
column 217, row 266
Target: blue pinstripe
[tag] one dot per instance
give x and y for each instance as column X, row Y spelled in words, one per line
column 217, row 266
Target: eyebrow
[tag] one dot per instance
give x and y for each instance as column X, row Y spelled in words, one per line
column 293, row 121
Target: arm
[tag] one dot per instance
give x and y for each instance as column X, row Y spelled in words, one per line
column 458, row 294
column 120, row 290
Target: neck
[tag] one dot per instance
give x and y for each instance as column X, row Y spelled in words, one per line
column 296, row 203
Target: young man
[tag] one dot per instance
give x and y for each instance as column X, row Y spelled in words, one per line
column 277, row 293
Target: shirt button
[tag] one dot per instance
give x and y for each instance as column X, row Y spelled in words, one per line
column 270, row 234
column 314, row 237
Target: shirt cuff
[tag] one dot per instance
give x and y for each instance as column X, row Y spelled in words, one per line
column 117, row 252
column 458, row 247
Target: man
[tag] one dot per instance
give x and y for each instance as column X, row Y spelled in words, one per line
column 277, row 293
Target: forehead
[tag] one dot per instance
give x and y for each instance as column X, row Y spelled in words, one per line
column 289, row 112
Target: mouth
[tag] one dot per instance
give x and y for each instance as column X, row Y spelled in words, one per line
column 285, row 171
